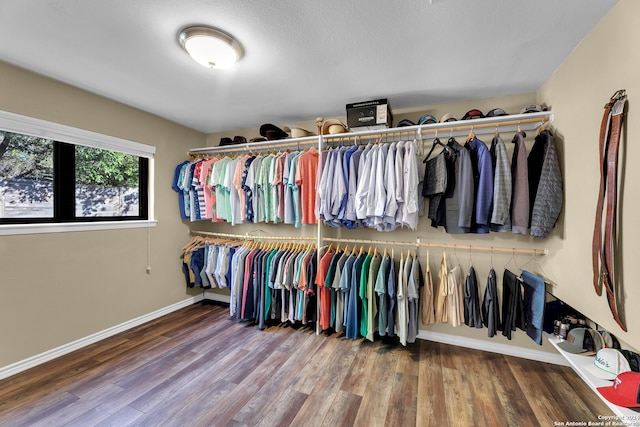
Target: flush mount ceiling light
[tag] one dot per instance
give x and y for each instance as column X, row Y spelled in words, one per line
column 210, row 47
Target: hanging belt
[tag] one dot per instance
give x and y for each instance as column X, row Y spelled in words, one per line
column 603, row 250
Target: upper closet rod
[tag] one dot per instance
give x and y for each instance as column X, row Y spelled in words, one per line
column 478, row 126
column 487, row 125
column 297, row 142
column 443, row 246
column 250, row 237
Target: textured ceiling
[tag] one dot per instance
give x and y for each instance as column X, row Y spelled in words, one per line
column 302, row 58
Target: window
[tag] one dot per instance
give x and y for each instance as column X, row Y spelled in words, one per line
column 70, row 175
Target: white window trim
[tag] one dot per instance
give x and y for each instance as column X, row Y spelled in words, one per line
column 18, row 123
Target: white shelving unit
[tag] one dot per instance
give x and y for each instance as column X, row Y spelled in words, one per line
column 578, row 363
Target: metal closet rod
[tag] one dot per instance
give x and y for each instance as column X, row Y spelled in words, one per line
column 250, row 236
column 298, row 142
column 528, row 121
column 417, row 243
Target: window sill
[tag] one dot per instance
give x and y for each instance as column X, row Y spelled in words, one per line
column 10, row 229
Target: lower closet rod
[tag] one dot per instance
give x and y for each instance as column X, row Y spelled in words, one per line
column 250, row 237
column 443, row 246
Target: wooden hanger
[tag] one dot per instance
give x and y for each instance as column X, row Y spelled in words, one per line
column 471, row 135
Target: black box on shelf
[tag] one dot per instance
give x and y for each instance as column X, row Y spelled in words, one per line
column 369, row 115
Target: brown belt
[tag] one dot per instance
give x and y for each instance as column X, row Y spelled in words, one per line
column 603, row 249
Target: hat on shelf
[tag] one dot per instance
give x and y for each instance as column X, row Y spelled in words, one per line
column 533, row 108
column 625, row 390
column 239, row 140
column 257, row 139
column 448, row 118
column 585, row 341
column 225, row 141
column 297, row 131
column 633, row 358
column 608, row 364
column 405, row 122
column 473, row 114
column 497, row 112
column 427, row 120
column 333, row 126
column 610, row 340
column 272, row 132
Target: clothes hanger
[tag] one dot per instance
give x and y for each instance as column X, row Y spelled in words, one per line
column 513, row 258
column 471, row 134
column 436, row 142
column 545, row 276
column 455, row 254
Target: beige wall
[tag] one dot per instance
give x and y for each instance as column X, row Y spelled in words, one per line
column 606, row 60
column 59, row 287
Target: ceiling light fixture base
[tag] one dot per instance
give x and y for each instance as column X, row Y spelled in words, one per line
column 210, row 47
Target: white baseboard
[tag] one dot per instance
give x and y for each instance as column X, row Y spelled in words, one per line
column 510, row 350
column 506, row 349
column 23, row 365
column 214, row 296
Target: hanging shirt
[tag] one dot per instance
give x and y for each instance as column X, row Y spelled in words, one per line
column 362, row 294
column 391, row 300
column 382, row 279
column 354, row 310
column 441, row 305
column 491, row 305
column 520, row 188
column 372, row 306
column 345, row 286
column 411, row 208
column 364, row 177
column 351, row 219
column 483, row 183
column 324, row 292
column 413, row 294
column 391, row 204
column 455, row 299
column 426, row 298
column 460, row 205
column 402, row 319
column 472, row 316
column 399, row 179
column 306, row 178
column 502, row 182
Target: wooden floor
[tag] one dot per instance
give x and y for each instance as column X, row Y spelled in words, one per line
column 195, row 367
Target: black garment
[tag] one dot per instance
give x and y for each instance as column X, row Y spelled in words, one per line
column 491, row 305
column 311, row 294
column 472, row 315
column 513, row 310
column 439, row 184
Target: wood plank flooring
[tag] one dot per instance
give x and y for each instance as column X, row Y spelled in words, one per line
column 196, row 367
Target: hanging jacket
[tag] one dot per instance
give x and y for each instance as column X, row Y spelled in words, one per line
column 549, row 193
column 472, row 315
